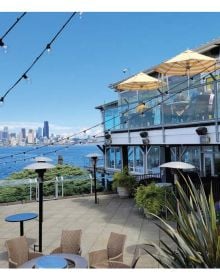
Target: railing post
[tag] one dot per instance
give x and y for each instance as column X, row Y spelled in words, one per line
column 61, row 178
column 56, row 187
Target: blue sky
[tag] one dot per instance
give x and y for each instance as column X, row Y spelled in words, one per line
column 89, row 55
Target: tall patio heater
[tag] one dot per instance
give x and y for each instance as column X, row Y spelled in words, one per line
column 40, row 167
column 94, row 158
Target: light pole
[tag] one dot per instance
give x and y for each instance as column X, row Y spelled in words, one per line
column 40, row 168
column 94, row 158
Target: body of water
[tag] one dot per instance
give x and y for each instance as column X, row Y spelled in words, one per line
column 73, row 155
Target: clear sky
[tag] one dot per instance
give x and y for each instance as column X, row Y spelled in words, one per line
column 89, row 55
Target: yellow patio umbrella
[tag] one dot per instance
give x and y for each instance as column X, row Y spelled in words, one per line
column 140, row 81
column 187, row 63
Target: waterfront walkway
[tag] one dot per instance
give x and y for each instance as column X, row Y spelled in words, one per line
column 95, row 220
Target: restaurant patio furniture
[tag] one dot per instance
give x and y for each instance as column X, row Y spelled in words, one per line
column 21, row 217
column 114, row 252
column 70, row 242
column 18, row 251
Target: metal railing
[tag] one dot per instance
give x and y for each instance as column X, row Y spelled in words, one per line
column 58, row 182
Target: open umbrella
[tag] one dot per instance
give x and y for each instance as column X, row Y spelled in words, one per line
column 177, row 165
column 187, row 63
column 140, row 81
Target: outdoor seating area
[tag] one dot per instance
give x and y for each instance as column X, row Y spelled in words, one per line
column 78, row 233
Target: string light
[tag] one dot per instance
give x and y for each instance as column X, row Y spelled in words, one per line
column 2, row 44
column 39, row 56
column 24, row 76
column 48, row 48
column 1, row 101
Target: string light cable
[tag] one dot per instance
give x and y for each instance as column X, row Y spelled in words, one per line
column 48, row 47
column 2, row 44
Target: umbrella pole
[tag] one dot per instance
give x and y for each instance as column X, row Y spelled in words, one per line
column 188, row 82
column 162, row 112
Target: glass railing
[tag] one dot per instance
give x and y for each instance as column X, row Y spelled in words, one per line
column 197, row 104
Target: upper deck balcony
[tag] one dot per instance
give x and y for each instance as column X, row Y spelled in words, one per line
column 183, row 102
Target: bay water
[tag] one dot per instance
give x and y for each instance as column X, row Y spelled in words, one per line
column 14, row 159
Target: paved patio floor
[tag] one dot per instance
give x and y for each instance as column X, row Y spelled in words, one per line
column 95, row 220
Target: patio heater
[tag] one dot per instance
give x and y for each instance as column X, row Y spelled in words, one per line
column 40, row 167
column 94, row 158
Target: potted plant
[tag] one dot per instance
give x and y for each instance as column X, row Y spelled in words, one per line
column 150, row 198
column 123, row 182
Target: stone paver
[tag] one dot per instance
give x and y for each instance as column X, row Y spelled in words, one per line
column 95, row 220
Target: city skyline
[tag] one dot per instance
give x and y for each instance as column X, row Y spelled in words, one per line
column 42, row 134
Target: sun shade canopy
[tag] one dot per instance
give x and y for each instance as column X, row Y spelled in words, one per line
column 140, row 81
column 187, row 63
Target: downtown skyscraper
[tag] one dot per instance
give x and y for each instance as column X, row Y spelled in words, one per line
column 46, row 129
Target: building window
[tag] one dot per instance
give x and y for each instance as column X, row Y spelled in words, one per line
column 153, row 160
column 113, row 158
column 135, row 159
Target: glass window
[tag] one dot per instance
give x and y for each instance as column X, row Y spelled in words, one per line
column 112, row 120
column 118, row 158
column 191, row 155
column 153, row 160
column 113, row 158
column 135, row 159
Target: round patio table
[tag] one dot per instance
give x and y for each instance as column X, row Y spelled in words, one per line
column 51, row 262
column 74, row 261
column 21, row 217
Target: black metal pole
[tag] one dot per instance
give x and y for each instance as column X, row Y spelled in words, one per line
column 21, row 228
column 40, row 179
column 94, row 174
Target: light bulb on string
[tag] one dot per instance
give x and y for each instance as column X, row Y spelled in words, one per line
column 4, row 47
column 26, row 78
column 1, row 101
column 48, row 48
column 80, row 15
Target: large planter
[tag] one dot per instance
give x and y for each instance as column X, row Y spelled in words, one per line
column 123, row 192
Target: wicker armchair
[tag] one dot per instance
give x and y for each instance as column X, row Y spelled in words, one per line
column 18, row 251
column 70, row 242
column 110, row 256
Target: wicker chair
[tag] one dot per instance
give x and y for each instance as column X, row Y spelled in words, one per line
column 70, row 242
column 18, row 251
column 110, row 256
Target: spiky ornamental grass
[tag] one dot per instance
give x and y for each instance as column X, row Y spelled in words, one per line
column 196, row 240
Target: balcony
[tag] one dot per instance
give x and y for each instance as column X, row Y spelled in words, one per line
column 182, row 106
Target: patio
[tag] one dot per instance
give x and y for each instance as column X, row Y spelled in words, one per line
column 95, row 220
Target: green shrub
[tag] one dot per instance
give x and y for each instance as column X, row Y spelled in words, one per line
column 151, row 198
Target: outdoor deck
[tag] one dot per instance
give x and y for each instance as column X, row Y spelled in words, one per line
column 95, row 220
